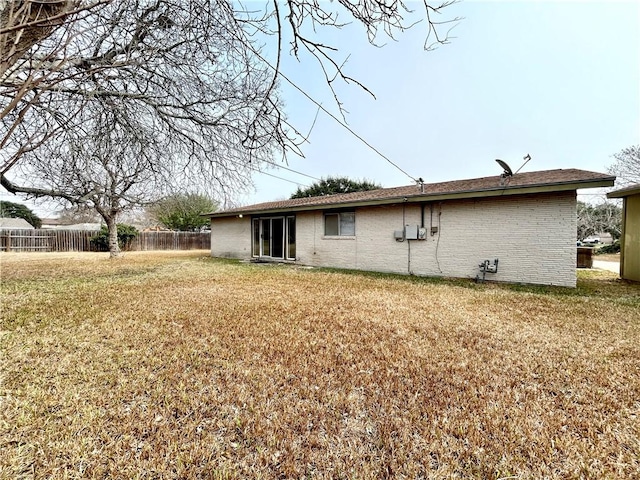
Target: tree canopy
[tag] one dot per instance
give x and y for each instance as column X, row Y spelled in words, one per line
column 17, row 210
column 333, row 185
column 183, row 211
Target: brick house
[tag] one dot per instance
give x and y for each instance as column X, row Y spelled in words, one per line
column 526, row 221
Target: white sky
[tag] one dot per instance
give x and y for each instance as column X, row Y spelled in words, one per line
column 557, row 80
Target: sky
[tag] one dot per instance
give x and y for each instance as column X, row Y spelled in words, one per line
column 557, row 80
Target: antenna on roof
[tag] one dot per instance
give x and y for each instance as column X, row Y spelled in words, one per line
column 507, row 170
column 526, row 159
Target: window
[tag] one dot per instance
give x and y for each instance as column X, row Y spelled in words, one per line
column 340, row 224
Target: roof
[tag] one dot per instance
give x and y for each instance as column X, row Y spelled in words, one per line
column 15, row 224
column 625, row 192
column 521, row 183
column 51, row 221
column 93, row 227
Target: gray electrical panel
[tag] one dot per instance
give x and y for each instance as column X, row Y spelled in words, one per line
column 411, row 232
column 398, row 234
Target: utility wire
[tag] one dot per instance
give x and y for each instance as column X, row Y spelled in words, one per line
column 349, row 129
column 319, row 105
column 280, row 178
column 256, row 169
column 291, row 170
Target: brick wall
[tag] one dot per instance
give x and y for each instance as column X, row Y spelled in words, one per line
column 533, row 237
column 231, row 237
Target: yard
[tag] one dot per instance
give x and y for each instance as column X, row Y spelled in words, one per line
column 177, row 365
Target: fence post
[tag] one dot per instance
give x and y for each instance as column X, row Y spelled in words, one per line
column 7, row 239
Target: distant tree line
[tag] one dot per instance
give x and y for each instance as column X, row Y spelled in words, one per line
column 334, row 185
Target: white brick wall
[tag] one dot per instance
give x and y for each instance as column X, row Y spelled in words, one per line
column 231, row 237
column 532, row 236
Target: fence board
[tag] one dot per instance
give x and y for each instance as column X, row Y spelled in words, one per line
column 40, row 240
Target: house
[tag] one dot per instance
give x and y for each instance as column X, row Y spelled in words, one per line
column 630, row 238
column 49, row 223
column 58, row 224
column 15, row 224
column 87, row 227
column 511, row 228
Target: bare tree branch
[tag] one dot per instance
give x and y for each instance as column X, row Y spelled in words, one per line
column 626, row 166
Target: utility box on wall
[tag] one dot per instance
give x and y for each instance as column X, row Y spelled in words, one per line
column 411, row 232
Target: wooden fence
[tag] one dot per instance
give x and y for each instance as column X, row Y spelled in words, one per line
column 41, row 240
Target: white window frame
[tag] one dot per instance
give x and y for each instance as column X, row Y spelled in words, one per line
column 340, row 233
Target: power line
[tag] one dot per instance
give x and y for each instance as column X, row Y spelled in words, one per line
column 279, row 178
column 319, row 105
column 256, row 169
column 349, row 129
column 290, row 169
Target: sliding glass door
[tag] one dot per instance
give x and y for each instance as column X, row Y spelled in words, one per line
column 274, row 237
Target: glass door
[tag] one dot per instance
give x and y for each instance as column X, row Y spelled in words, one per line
column 273, row 237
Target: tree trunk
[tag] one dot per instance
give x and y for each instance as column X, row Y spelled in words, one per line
column 114, row 247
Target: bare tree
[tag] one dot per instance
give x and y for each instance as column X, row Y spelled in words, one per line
column 23, row 23
column 26, row 58
column 115, row 104
column 78, row 214
column 627, row 166
column 596, row 219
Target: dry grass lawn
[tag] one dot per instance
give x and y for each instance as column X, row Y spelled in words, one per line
column 176, row 365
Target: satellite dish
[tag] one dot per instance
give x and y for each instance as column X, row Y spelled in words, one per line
column 507, row 170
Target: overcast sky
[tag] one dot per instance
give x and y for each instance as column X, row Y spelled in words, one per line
column 557, row 80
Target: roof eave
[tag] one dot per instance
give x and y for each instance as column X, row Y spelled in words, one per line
column 427, row 197
column 625, row 192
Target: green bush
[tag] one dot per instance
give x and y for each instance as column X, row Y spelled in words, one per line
column 610, row 248
column 126, row 233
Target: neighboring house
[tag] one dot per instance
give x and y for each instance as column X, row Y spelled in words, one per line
column 48, row 223
column 15, row 224
column 88, row 227
column 630, row 238
column 526, row 221
column 57, row 224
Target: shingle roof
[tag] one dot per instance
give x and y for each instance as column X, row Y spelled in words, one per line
column 554, row 180
column 15, row 224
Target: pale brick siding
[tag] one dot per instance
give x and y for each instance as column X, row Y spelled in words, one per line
column 231, row 237
column 533, row 237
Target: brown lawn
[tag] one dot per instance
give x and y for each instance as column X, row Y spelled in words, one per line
column 176, row 365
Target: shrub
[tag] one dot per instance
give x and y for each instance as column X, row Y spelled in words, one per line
column 610, row 248
column 126, row 233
